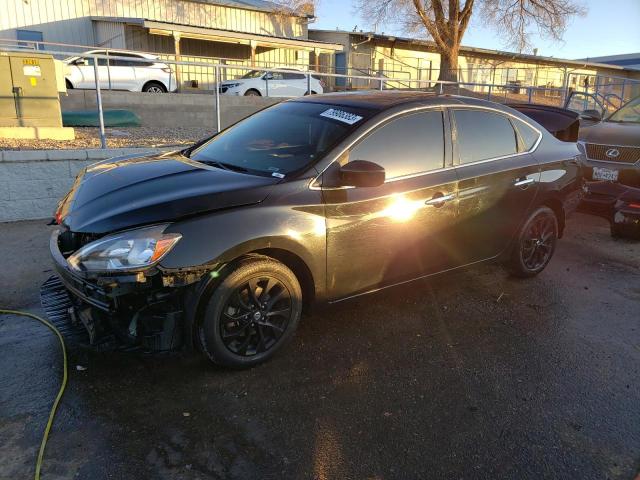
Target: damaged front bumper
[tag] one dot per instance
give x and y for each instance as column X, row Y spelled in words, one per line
column 125, row 311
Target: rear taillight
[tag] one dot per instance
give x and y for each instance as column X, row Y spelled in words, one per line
column 634, row 205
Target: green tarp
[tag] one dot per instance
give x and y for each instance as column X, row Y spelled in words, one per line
column 89, row 118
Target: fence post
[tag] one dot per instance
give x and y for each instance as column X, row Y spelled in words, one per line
column 308, row 83
column 96, row 75
column 266, row 84
column 108, row 69
column 530, row 92
column 218, row 98
column 381, row 82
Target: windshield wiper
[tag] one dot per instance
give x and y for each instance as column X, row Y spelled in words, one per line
column 224, row 166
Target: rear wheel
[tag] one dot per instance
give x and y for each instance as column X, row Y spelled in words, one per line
column 536, row 243
column 68, row 84
column 253, row 312
column 252, row 93
column 154, row 87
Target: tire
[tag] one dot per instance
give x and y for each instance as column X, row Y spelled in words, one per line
column 68, row 84
column 616, row 232
column 234, row 332
column 535, row 244
column 154, row 87
column 252, row 93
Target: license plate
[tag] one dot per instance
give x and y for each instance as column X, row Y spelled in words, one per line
column 605, row 174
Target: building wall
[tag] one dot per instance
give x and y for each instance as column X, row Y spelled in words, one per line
column 69, row 21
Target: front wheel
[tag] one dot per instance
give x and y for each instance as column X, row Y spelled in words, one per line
column 535, row 244
column 253, row 312
column 154, row 87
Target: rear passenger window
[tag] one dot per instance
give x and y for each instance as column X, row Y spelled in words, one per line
column 528, row 136
column 293, row 76
column 483, row 135
column 410, row 144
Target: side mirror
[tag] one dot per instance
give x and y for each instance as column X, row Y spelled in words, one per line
column 361, row 173
column 594, row 115
column 268, row 76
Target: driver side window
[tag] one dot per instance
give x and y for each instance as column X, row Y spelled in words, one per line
column 407, row 145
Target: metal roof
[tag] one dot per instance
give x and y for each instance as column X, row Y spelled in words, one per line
column 260, row 5
column 485, row 51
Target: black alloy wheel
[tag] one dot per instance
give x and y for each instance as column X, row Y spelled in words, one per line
column 255, row 316
column 536, row 243
column 252, row 313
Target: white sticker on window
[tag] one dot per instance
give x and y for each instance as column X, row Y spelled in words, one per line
column 341, row 116
column 277, row 175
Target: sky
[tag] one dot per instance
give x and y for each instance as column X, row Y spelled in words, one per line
column 610, row 27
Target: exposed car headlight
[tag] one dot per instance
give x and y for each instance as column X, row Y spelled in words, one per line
column 131, row 250
column 231, row 85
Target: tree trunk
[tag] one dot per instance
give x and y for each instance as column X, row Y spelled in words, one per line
column 448, row 65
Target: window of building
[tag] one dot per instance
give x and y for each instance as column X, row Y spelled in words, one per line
column 410, row 144
column 482, row 135
column 29, row 38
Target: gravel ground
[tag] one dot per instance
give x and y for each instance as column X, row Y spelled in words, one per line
column 116, row 138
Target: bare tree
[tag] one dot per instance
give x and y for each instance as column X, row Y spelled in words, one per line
column 446, row 22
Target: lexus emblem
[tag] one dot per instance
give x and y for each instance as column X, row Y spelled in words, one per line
column 612, row 153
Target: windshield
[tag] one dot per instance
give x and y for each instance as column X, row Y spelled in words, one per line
column 281, row 139
column 629, row 113
column 252, row 74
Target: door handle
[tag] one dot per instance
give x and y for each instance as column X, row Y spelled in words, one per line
column 438, row 201
column 524, row 182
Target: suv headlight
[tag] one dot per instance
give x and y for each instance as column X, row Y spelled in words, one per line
column 131, row 250
column 231, row 85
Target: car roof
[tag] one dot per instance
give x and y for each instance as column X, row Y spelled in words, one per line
column 116, row 52
column 383, row 100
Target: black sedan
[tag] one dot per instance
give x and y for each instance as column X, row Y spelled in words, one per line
column 221, row 246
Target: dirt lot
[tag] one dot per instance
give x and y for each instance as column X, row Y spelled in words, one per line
column 472, row 375
column 116, row 138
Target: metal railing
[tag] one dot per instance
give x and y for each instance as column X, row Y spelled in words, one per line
column 491, row 91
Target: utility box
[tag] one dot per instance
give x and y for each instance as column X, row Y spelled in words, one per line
column 29, row 96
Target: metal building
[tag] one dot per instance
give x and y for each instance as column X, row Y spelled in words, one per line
column 244, row 32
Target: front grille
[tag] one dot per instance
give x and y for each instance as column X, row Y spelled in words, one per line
column 57, row 305
column 625, row 154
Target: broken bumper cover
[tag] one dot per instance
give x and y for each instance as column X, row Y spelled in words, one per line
column 117, row 312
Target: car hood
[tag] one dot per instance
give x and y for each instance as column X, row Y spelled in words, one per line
column 612, row 133
column 124, row 192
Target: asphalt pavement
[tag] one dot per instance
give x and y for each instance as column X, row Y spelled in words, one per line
column 473, row 375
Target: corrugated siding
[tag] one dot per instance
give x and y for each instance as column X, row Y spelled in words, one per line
column 109, row 34
column 67, row 22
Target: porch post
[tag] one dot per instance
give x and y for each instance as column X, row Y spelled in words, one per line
column 176, row 49
column 316, row 59
column 253, row 44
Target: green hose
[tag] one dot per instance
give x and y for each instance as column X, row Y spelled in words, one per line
column 52, row 414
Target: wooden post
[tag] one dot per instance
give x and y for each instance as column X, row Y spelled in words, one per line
column 253, row 44
column 176, row 49
column 316, row 59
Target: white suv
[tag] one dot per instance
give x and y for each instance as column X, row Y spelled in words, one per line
column 292, row 83
column 120, row 74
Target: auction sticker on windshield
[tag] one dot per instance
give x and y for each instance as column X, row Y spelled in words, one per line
column 341, row 116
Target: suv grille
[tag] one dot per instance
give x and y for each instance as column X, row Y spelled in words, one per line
column 626, row 154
